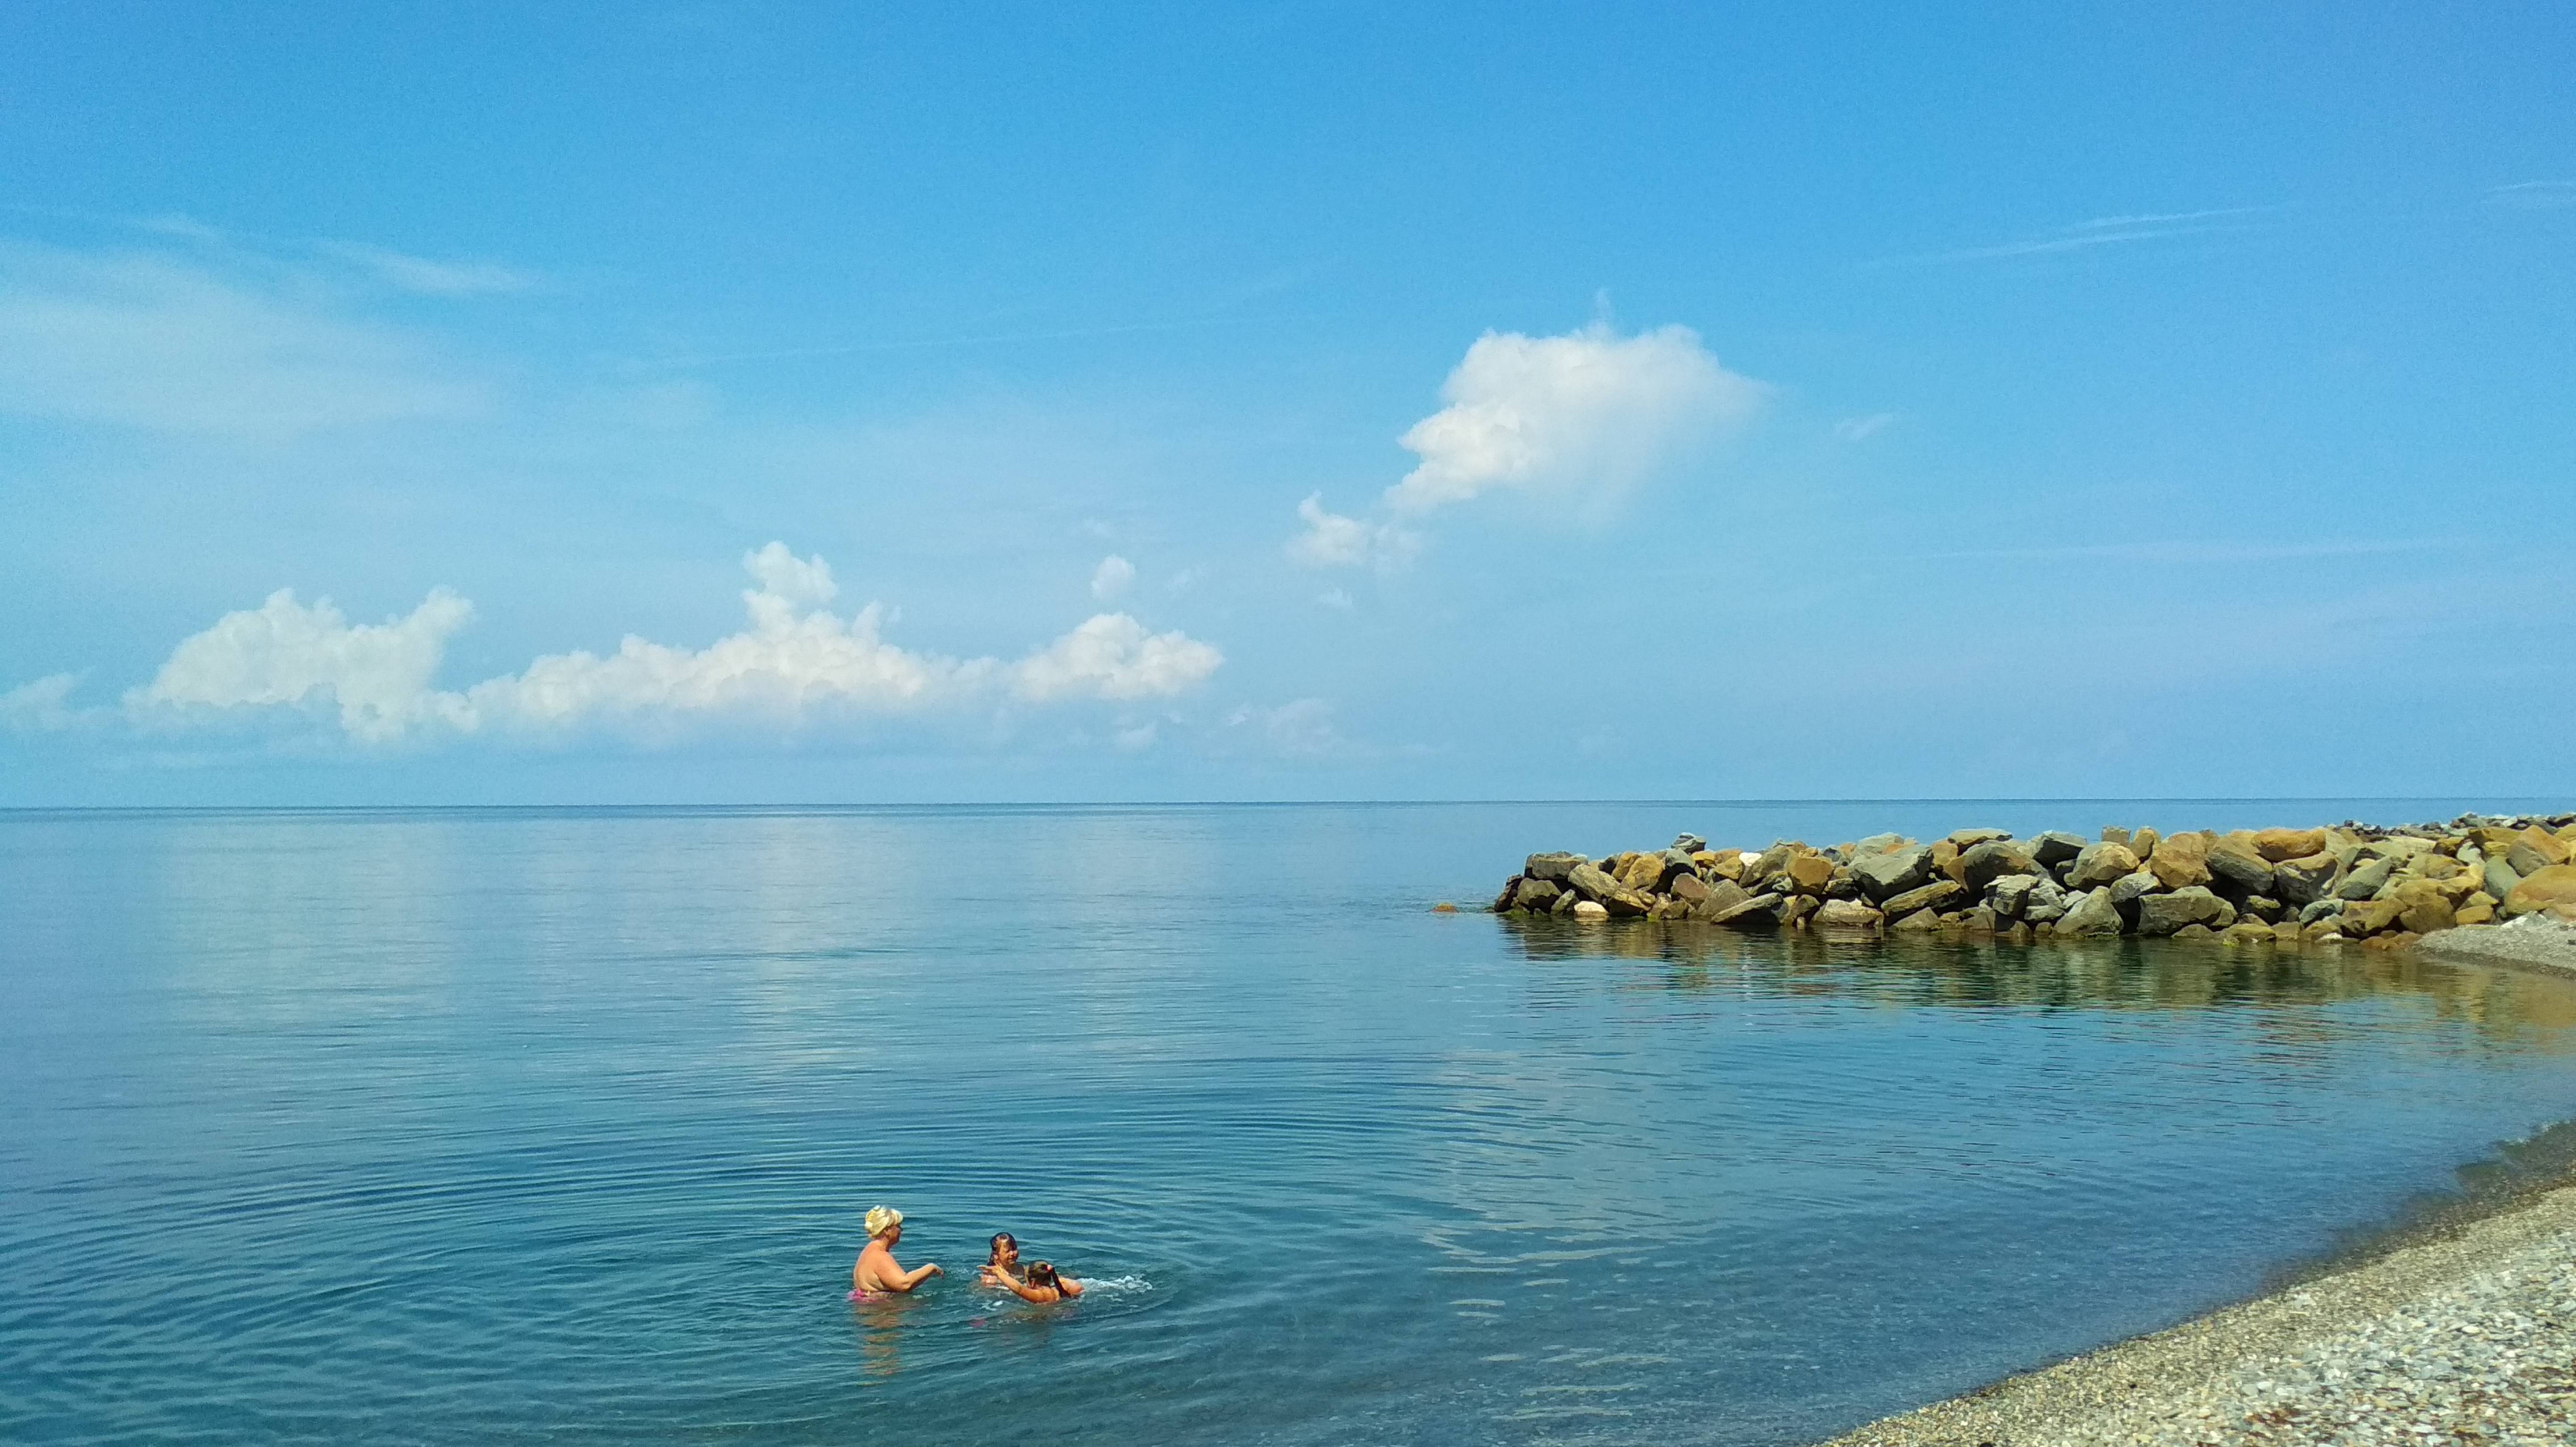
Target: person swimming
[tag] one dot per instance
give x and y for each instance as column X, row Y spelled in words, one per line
column 878, row 1273
column 1005, row 1259
column 1041, row 1285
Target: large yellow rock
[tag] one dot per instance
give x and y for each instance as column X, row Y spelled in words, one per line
column 2555, row 885
column 1810, row 872
column 2181, row 861
column 2276, row 845
column 2422, row 906
column 2551, row 847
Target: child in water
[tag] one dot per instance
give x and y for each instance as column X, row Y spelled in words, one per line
column 1042, row 1284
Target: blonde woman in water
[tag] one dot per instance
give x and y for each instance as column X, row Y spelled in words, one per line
column 878, row 1273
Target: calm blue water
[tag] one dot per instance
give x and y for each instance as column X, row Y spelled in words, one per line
column 518, row 1126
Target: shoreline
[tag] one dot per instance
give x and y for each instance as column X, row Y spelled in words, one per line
column 2460, row 1324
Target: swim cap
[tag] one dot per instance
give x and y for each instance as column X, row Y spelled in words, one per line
column 882, row 1219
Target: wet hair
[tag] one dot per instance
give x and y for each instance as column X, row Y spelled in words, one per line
column 1042, row 1276
column 1000, row 1240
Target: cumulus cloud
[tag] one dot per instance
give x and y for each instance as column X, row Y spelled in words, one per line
column 42, row 706
column 1112, row 577
column 1587, row 413
column 795, row 663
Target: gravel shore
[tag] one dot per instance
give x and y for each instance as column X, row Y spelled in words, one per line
column 2466, row 1339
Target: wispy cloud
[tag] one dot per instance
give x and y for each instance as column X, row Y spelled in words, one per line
column 2534, row 195
column 1861, row 429
column 2100, row 231
column 2215, row 553
column 424, row 277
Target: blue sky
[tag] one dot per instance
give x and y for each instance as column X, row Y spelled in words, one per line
column 1284, row 402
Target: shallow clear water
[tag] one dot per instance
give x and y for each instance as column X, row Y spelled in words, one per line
column 516, row 1125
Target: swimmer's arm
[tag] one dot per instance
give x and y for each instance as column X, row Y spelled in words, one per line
column 1019, row 1288
column 1070, row 1287
column 918, row 1275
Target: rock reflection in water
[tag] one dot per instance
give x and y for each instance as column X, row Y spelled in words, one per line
column 2522, row 1009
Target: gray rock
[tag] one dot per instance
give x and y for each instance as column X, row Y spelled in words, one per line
column 1877, row 844
column 2055, row 848
column 2093, row 916
column 1689, row 844
column 2129, row 888
column 1847, row 916
column 1565, row 904
column 2366, row 878
column 1893, row 871
column 1618, row 898
column 1921, row 919
column 2165, row 914
column 1982, row 864
column 1766, row 866
column 1965, row 838
column 2526, row 861
column 1537, row 894
column 2239, row 872
column 2500, row 877
column 2048, row 901
column 1933, row 896
column 2304, row 881
column 2318, row 909
column 1553, row 866
column 2005, row 896
column 1760, row 912
column 1723, row 895
column 1687, row 887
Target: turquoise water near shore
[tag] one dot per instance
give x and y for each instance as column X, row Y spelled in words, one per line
column 505, row 1125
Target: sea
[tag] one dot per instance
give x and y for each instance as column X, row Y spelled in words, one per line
column 536, row 1125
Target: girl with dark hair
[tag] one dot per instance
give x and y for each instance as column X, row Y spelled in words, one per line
column 1042, row 1285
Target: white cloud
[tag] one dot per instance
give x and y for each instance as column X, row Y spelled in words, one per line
column 42, row 706
column 283, row 654
column 2534, row 195
column 1110, row 655
column 793, row 664
column 147, row 340
column 1588, row 411
column 421, row 275
column 1859, row 429
column 1112, row 577
column 1334, row 541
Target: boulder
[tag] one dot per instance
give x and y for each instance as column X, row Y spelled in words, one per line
column 2437, row 866
column 2364, row 917
column 1689, row 844
column 1723, row 895
column 2195, row 932
column 2006, row 896
column 1689, row 888
column 2304, row 880
column 1797, row 907
column 1600, row 888
column 2048, row 901
column 2423, row 907
column 2054, row 848
column 2320, row 909
column 1978, row 921
column 2365, row 878
column 1554, row 867
column 1588, row 910
column 1848, row 916
column 2260, row 906
column 1763, row 868
column 1930, row 896
column 2499, row 878
column 2092, row 916
column 1918, row 921
column 1537, row 894
column 2166, row 914
column 2479, row 910
column 1893, row 871
column 1762, row 911
column 1877, row 844
column 2276, row 845
column 1565, row 904
column 2246, row 932
column 1722, row 864
column 2114, row 834
column 2521, row 858
column 1644, row 873
column 2236, row 869
column 1511, row 892
column 1983, row 863
column 2180, row 862
column 1945, row 859
column 1965, row 839
column 2542, row 889
column 2128, row 889
column 2101, row 863
column 2143, row 843
column 2549, row 847
column 1809, row 873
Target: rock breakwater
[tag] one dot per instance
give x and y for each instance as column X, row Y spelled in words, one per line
column 2348, row 883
